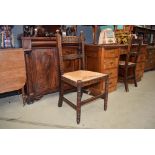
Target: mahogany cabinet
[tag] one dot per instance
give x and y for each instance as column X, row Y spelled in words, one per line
column 150, row 58
column 104, row 59
column 41, row 66
column 141, row 62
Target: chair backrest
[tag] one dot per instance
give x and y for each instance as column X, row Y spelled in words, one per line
column 69, row 42
column 133, row 53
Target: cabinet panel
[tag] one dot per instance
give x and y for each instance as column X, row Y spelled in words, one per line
column 141, row 58
column 111, row 72
column 150, row 58
column 104, row 60
column 45, row 70
column 111, row 53
column 112, row 82
column 41, row 66
column 110, row 63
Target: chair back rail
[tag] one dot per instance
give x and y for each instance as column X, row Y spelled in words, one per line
column 73, row 41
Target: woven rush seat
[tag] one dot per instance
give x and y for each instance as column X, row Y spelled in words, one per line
column 82, row 75
column 123, row 63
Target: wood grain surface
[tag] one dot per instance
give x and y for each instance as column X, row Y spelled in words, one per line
column 12, row 69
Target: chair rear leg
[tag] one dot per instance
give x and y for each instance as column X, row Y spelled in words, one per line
column 61, row 93
column 106, row 93
column 78, row 108
column 23, row 96
column 135, row 80
column 81, row 93
column 126, row 82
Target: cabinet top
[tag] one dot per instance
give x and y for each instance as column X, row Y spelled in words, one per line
column 11, row 49
column 112, row 45
column 38, row 38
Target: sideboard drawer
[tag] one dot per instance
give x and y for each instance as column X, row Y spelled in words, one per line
column 112, row 82
column 141, row 58
column 140, row 66
column 111, row 53
column 110, row 63
column 111, row 72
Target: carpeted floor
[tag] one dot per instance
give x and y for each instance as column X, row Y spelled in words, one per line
column 135, row 109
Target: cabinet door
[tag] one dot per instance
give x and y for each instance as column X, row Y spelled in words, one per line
column 45, row 70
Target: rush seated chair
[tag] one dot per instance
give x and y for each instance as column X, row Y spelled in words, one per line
column 79, row 78
column 127, row 66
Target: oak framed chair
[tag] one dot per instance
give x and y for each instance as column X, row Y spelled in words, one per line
column 127, row 66
column 79, row 78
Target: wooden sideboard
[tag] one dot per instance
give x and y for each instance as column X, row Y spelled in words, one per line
column 41, row 66
column 104, row 59
column 150, row 58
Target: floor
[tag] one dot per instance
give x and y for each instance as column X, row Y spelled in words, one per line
column 135, row 109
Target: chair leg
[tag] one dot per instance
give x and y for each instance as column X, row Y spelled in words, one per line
column 61, row 93
column 23, row 96
column 78, row 108
column 126, row 82
column 135, row 80
column 106, row 94
column 81, row 93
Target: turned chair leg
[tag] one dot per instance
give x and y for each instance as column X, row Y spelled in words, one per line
column 78, row 108
column 61, row 93
column 106, row 94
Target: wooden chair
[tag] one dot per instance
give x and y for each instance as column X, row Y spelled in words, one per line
column 12, row 71
column 127, row 67
column 80, row 78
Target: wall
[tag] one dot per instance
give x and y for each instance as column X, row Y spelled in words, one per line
column 17, row 32
column 88, row 31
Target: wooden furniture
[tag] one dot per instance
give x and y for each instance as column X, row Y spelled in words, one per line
column 141, row 59
column 94, row 27
column 40, row 30
column 147, row 32
column 103, row 59
column 80, row 78
column 127, row 65
column 12, row 70
column 41, row 66
column 150, row 58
